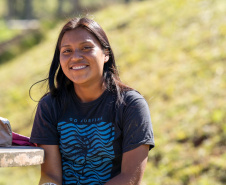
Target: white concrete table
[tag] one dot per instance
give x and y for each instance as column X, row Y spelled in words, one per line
column 21, row 156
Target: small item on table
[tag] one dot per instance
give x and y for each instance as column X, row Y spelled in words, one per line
column 9, row 138
column 5, row 133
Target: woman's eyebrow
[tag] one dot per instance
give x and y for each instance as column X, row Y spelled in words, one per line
column 64, row 46
column 85, row 42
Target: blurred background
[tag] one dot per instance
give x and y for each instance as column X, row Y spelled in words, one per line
column 171, row 51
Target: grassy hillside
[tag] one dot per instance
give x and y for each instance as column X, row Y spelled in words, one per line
column 173, row 52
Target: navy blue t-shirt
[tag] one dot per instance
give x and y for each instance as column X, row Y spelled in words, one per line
column 93, row 136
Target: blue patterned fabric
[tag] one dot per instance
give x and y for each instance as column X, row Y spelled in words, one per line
column 87, row 152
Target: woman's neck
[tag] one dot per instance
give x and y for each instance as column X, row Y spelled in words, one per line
column 88, row 94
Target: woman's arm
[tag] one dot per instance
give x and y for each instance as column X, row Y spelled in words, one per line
column 132, row 168
column 51, row 170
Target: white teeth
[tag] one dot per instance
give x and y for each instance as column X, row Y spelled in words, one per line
column 78, row 67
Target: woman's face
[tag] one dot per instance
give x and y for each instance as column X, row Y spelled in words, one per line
column 82, row 57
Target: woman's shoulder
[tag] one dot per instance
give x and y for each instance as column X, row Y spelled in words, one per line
column 48, row 100
column 131, row 98
column 131, row 95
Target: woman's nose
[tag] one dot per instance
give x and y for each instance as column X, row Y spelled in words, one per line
column 77, row 55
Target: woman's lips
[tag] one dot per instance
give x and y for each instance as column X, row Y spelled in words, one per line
column 78, row 67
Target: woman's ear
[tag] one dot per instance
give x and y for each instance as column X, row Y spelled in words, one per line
column 106, row 58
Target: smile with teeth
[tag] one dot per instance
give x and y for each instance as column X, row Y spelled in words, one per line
column 78, row 67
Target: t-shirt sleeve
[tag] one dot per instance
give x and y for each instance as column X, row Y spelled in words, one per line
column 137, row 126
column 44, row 129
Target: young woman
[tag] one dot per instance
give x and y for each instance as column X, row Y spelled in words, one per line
column 93, row 128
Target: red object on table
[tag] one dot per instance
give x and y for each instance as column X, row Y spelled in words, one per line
column 20, row 140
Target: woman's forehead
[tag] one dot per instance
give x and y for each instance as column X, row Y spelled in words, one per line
column 78, row 35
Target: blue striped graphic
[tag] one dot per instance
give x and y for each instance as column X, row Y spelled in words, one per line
column 87, row 152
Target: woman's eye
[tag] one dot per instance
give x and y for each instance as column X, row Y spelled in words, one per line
column 86, row 47
column 66, row 51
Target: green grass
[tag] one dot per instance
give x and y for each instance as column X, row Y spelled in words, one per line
column 173, row 52
column 6, row 33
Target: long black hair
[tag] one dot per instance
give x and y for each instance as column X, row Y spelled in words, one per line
column 59, row 85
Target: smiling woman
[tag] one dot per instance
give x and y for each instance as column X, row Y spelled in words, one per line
column 93, row 128
column 82, row 59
